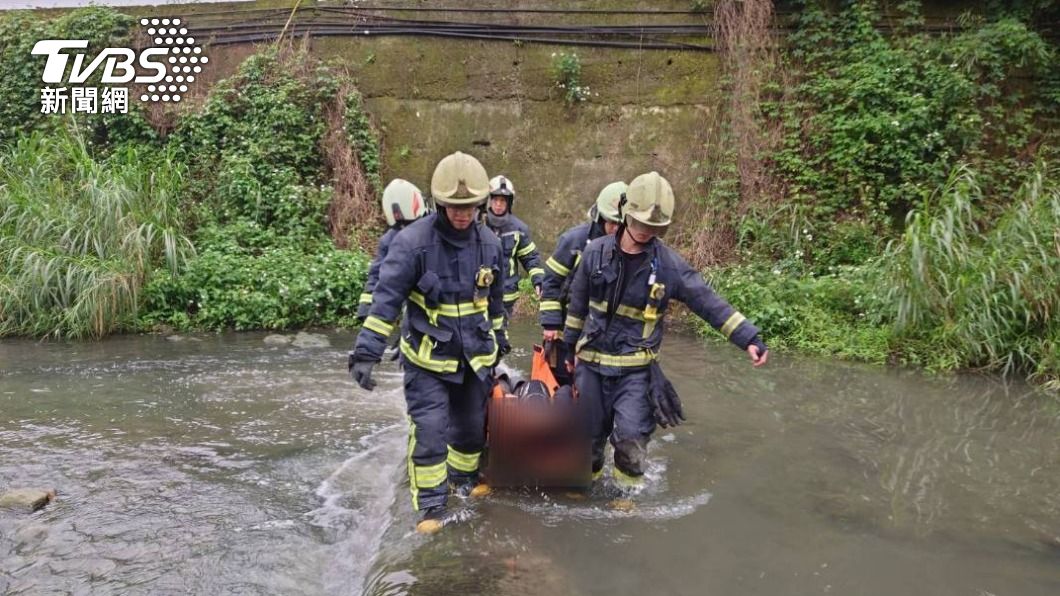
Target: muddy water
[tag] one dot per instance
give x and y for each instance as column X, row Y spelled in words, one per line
column 220, row 464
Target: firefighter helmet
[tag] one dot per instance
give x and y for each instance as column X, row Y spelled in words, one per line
column 459, row 179
column 403, row 202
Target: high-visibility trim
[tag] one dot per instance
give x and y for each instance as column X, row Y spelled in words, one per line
column 428, row 476
column 535, row 271
column 550, row 305
column 378, row 325
column 365, row 298
column 462, row 309
column 529, row 248
column 423, row 358
column 649, row 328
column 598, row 474
column 498, row 323
column 732, row 323
column 511, row 296
column 463, row 462
column 625, row 480
column 640, row 358
column 622, row 309
column 574, row 322
column 557, row 267
column 485, row 360
column 411, row 467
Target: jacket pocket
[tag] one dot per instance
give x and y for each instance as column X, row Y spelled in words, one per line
column 417, row 322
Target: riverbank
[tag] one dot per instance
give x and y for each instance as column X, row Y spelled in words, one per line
column 907, row 213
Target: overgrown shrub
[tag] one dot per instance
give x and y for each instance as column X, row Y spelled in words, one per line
column 231, row 287
column 80, row 236
column 876, row 120
column 264, row 197
column 255, row 148
column 982, row 295
column 839, row 314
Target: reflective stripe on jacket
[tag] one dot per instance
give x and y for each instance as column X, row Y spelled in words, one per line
column 518, row 247
column 365, row 301
column 611, row 333
column 565, row 259
column 451, row 321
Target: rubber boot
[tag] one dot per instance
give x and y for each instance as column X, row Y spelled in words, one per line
column 472, row 489
column 432, row 521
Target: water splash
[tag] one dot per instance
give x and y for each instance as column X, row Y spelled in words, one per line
column 356, row 506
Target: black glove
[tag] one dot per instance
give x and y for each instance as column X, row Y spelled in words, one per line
column 361, row 371
column 503, row 347
column 665, row 403
column 569, row 361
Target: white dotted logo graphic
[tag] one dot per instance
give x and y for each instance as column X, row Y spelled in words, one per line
column 183, row 64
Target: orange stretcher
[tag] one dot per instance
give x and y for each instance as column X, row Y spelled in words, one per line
column 535, row 433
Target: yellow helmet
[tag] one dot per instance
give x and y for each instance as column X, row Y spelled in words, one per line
column 459, row 179
column 402, row 201
column 607, row 202
column 649, row 200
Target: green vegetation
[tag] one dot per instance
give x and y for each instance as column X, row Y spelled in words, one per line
column 263, row 198
column 80, row 236
column 914, row 218
column 567, row 71
column 982, row 294
column 20, row 76
column 236, row 219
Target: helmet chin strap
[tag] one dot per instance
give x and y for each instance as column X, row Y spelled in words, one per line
column 641, row 245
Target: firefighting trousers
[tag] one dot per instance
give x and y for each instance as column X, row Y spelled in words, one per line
column 447, row 432
column 617, row 407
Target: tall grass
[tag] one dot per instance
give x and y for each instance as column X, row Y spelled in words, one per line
column 79, row 237
column 985, row 294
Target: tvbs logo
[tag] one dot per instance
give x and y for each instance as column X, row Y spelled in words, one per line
column 166, row 67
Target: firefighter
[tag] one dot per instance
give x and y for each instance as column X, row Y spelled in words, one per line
column 448, row 272
column 603, row 219
column 403, row 203
column 515, row 238
column 614, row 325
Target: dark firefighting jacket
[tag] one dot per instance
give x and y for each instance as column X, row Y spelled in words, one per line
column 558, row 267
column 452, row 291
column 613, row 334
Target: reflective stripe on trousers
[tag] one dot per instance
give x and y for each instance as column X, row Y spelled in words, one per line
column 446, row 435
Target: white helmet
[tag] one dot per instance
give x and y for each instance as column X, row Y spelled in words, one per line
column 403, row 202
column 501, row 186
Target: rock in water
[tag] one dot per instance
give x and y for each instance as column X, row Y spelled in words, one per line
column 277, row 340
column 26, row 498
column 310, row 340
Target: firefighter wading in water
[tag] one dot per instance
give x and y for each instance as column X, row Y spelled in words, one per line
column 448, row 272
column 555, row 290
column 403, row 203
column 515, row 239
column 619, row 295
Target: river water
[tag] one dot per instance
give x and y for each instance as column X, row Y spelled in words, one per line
column 220, row 464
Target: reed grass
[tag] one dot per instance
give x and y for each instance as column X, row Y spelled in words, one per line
column 79, row 237
column 985, row 292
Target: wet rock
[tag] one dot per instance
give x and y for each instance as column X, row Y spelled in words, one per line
column 310, row 340
column 276, row 339
column 30, row 499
